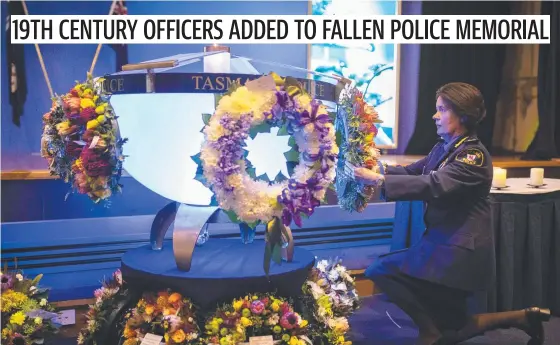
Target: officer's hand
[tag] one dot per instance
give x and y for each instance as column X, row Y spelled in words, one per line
column 367, row 176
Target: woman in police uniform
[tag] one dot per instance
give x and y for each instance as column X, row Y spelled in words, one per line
column 432, row 280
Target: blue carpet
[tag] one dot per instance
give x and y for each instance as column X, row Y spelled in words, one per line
column 379, row 322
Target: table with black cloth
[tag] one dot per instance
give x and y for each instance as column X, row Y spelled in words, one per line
column 526, row 225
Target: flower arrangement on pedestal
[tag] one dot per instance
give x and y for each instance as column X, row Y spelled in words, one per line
column 167, row 314
column 26, row 313
column 105, row 301
column 81, row 141
column 356, row 126
column 269, row 101
column 257, row 315
column 330, row 296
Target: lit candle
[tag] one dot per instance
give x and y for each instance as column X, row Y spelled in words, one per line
column 500, row 176
column 219, row 62
column 537, row 176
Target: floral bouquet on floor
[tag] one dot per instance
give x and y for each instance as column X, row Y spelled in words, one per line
column 81, row 141
column 330, row 297
column 257, row 315
column 105, row 301
column 167, row 314
column 26, row 313
column 356, row 130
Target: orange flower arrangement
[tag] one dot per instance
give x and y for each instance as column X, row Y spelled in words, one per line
column 356, row 125
column 81, row 141
column 167, row 314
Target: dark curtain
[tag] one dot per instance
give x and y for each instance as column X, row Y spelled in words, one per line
column 17, row 81
column 476, row 64
column 546, row 143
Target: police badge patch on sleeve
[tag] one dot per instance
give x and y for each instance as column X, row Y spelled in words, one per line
column 471, row 156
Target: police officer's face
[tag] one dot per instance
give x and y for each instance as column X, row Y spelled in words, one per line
column 447, row 123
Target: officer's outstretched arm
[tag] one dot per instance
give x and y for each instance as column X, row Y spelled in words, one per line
column 467, row 170
column 416, row 168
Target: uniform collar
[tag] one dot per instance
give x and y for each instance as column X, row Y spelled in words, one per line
column 455, row 143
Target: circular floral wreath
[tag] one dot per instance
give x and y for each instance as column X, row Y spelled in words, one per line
column 81, row 141
column 356, row 125
column 259, row 105
column 167, row 314
column 257, row 315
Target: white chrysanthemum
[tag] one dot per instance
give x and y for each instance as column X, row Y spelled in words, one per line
column 322, row 265
column 273, row 319
column 340, row 287
column 214, row 130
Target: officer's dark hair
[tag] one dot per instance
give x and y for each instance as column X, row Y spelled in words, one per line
column 466, row 101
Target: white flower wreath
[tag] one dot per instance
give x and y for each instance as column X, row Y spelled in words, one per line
column 259, row 105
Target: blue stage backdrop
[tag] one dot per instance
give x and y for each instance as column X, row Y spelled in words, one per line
column 67, row 63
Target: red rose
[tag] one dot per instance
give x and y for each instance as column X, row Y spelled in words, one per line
column 88, row 114
column 94, row 163
column 74, row 93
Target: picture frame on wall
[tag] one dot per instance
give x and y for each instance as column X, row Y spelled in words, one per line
column 373, row 68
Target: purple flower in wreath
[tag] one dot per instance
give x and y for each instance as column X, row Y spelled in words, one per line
column 7, row 281
column 319, row 120
column 298, row 198
column 283, row 103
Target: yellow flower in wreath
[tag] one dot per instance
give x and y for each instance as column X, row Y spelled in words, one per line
column 237, row 305
column 88, row 93
column 129, row 332
column 17, row 318
column 149, row 310
column 6, row 333
column 245, row 322
column 294, row 341
column 87, row 103
column 101, row 109
column 179, row 336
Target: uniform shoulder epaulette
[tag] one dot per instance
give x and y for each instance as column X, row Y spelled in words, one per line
column 472, row 156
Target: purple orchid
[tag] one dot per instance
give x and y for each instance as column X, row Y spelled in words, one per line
column 319, row 120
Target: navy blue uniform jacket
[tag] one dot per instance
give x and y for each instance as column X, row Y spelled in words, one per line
column 457, row 248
